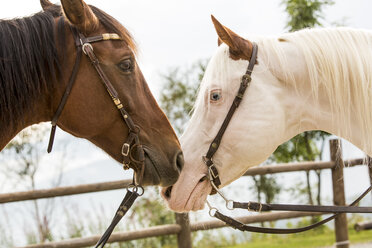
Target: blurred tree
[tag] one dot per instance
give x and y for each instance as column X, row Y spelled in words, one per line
column 305, row 13
column 21, row 159
column 179, row 92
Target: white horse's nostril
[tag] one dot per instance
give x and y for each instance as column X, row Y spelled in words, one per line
column 203, row 179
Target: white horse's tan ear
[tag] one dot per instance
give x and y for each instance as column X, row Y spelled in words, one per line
column 240, row 48
column 80, row 15
column 219, row 41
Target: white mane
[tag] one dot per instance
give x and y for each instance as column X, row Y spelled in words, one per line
column 338, row 61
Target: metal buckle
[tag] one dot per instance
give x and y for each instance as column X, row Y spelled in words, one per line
column 125, row 149
column 211, row 173
column 246, row 79
column 85, row 45
column 126, row 166
column 249, row 209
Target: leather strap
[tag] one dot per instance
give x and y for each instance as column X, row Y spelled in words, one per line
column 328, row 209
column 125, row 205
column 245, row 81
column 67, row 92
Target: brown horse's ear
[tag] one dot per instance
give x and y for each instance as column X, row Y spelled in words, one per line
column 240, row 48
column 80, row 15
column 45, row 4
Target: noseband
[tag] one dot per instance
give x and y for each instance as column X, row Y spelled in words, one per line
column 132, row 151
column 256, row 206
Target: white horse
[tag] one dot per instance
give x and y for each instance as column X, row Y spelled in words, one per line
column 316, row 79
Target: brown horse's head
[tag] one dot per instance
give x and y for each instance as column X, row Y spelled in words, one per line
column 90, row 113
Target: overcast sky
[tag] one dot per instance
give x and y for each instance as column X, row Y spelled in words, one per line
column 174, row 33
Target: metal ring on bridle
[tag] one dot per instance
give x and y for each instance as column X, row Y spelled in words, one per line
column 139, row 190
column 212, row 210
column 230, row 205
column 132, row 157
column 136, row 189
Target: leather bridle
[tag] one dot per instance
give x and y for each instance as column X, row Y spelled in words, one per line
column 132, row 150
column 256, row 206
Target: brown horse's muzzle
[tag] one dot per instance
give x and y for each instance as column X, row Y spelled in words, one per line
column 159, row 170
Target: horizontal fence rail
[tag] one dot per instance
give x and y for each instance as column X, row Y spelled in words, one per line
column 171, row 229
column 63, row 191
column 303, row 166
column 97, row 187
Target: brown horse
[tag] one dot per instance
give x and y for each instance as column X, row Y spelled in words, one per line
column 37, row 55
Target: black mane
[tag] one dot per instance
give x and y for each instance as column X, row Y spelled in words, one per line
column 29, row 64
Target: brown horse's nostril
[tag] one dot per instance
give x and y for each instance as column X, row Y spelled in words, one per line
column 179, row 161
column 167, row 193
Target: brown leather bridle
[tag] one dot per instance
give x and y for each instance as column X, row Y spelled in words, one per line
column 132, row 150
column 256, row 206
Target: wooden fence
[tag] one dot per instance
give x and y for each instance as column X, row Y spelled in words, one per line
column 183, row 228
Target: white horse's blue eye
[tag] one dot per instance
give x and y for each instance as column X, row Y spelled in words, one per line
column 215, row 96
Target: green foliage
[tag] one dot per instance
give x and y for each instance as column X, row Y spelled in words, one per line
column 6, row 239
column 212, row 239
column 267, row 186
column 303, row 147
column 304, row 13
column 309, row 239
column 179, row 93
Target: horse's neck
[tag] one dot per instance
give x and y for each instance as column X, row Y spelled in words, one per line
column 305, row 113
column 315, row 116
column 39, row 112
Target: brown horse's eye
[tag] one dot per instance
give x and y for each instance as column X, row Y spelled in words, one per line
column 126, row 65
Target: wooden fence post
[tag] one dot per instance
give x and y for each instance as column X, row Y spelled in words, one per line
column 184, row 236
column 341, row 231
column 369, row 165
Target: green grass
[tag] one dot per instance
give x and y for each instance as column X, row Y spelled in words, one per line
column 309, row 239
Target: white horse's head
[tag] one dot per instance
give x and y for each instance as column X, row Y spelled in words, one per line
column 254, row 132
column 310, row 80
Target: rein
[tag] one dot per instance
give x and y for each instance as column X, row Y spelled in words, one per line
column 132, row 150
column 256, row 206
